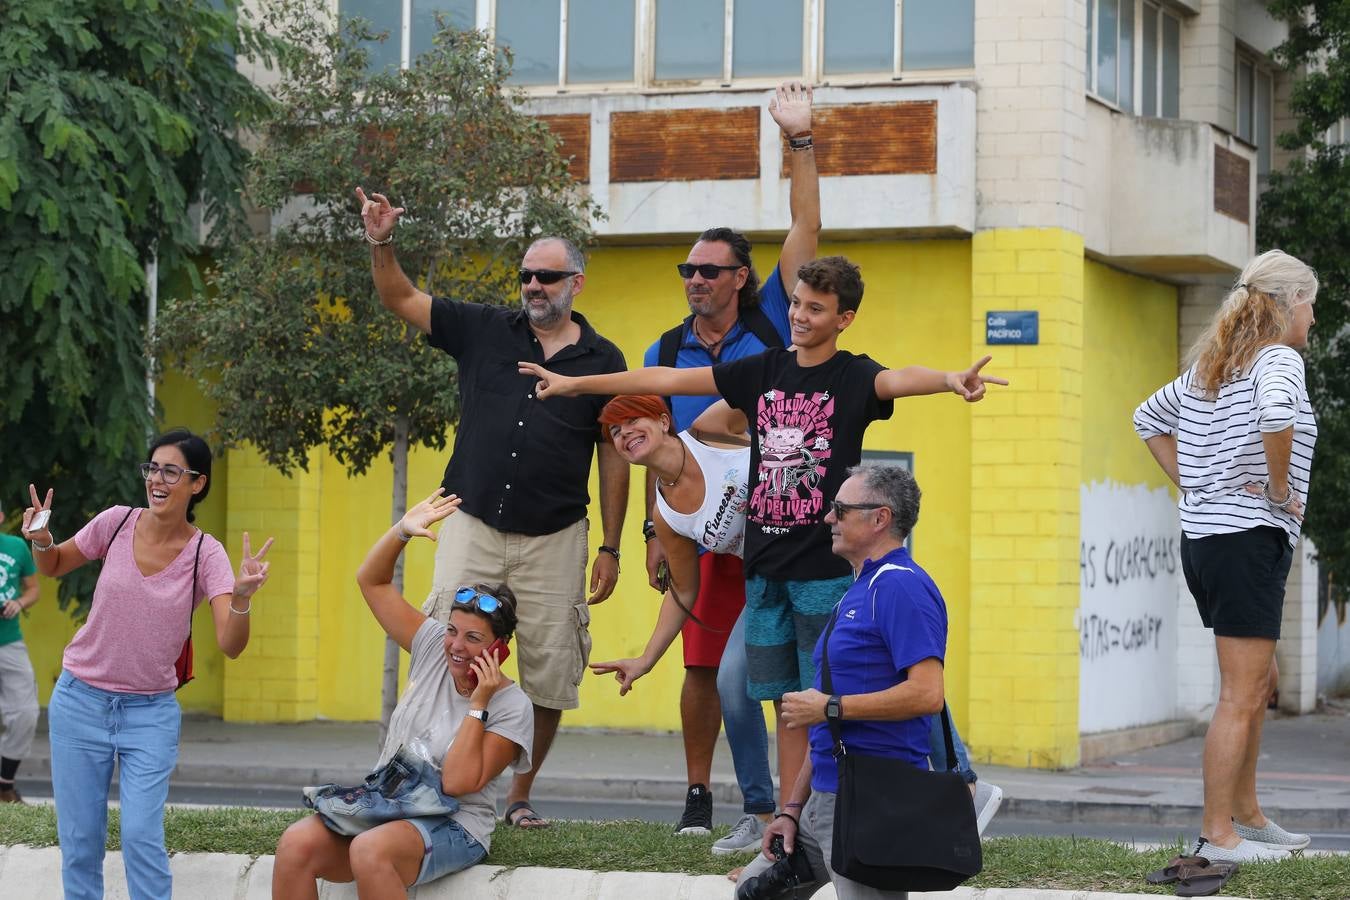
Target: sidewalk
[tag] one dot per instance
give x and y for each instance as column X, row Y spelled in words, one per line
column 1304, row 773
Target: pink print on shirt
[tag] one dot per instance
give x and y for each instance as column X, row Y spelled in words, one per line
column 794, row 446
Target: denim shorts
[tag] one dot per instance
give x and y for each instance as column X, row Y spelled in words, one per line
column 446, row 847
column 406, row 787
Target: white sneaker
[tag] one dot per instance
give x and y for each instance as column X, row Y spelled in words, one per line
column 746, row 836
column 1245, row 852
column 988, row 798
column 1271, row 836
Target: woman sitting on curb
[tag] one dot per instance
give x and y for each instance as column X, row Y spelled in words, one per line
column 453, row 682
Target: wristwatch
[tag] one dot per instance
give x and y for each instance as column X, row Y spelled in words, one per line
column 479, row 714
column 834, row 709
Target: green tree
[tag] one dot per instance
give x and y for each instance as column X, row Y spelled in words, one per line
column 1306, row 211
column 291, row 342
column 115, row 116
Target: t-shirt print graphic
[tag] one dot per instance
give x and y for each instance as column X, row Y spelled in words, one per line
column 794, row 445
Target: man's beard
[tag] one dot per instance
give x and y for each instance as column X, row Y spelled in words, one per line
column 553, row 313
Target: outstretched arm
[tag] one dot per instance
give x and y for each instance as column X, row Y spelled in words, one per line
column 397, row 293
column 651, row 380
column 916, row 381
column 52, row 559
column 791, row 109
column 376, row 575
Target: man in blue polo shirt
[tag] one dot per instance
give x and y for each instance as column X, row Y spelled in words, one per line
column 886, row 657
column 732, row 316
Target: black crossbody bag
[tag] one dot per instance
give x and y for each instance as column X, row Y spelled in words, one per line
column 898, row 827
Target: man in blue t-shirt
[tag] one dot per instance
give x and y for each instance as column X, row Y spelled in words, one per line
column 886, row 645
column 732, row 316
column 18, row 686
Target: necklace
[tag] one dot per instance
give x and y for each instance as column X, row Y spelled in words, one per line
column 712, row 347
column 684, row 458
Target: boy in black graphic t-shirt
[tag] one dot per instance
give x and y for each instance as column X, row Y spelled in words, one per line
column 808, row 407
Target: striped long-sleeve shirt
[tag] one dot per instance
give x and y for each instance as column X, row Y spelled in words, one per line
column 1219, row 449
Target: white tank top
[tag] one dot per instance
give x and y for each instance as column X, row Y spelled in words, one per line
column 719, row 524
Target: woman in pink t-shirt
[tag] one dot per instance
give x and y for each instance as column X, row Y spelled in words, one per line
column 115, row 698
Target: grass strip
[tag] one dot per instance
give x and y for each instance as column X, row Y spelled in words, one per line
column 1022, row 862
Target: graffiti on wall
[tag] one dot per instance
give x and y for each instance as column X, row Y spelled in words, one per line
column 1129, row 572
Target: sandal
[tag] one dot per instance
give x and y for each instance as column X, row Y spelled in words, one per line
column 527, row 820
column 1171, row 872
column 1204, row 881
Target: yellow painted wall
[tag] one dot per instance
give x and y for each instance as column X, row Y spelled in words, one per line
column 1130, row 336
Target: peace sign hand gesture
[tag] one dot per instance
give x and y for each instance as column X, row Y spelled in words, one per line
column 378, row 215
column 970, row 383
column 41, row 534
column 252, row 570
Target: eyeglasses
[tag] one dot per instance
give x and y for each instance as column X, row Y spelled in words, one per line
column 545, row 276
column 709, row 271
column 170, row 473
column 839, row 508
column 485, row 603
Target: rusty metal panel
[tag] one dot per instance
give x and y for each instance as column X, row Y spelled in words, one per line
column 1232, row 184
column 574, row 135
column 874, row 139
column 684, row 144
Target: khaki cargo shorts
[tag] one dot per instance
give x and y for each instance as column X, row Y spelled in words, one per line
column 547, row 573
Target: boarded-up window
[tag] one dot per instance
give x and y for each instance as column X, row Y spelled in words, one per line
column 1232, row 184
column 684, row 144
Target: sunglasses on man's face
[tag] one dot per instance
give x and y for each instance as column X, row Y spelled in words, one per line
column 840, row 508
column 709, row 271
column 545, row 276
column 486, row 603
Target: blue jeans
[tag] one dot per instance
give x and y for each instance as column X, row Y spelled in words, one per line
column 937, row 756
column 744, row 721
column 89, row 730
column 446, row 848
column 406, row 787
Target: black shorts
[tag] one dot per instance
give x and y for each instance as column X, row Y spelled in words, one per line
column 1238, row 580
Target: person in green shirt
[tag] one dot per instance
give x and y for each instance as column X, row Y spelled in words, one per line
column 18, row 685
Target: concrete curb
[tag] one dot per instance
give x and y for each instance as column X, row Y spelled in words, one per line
column 222, row 876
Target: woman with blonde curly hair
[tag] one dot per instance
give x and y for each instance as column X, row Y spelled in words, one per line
column 1235, row 433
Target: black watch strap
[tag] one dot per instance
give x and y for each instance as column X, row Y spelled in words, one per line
column 834, row 708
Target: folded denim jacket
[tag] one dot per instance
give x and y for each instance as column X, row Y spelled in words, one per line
column 406, row 787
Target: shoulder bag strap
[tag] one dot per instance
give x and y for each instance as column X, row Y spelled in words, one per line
column 117, row 530
column 828, row 683
column 192, row 597
column 761, row 326
column 668, row 351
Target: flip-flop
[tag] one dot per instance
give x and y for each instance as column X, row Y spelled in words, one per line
column 1170, row 872
column 1204, row 881
column 526, row 820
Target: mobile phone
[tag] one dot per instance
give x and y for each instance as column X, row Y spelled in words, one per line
column 662, row 576
column 39, row 520
column 502, row 649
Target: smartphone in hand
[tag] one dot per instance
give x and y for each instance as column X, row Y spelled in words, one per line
column 501, row 648
column 39, row 520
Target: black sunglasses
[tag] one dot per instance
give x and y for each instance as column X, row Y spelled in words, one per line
column 709, row 271
column 840, row 508
column 545, row 276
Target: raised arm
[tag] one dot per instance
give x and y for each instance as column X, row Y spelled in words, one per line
column 230, row 612
column 52, row 559
column 376, row 575
column 791, row 109
column 651, row 380
column 397, row 293
column 916, row 381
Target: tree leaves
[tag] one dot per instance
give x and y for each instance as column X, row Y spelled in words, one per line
column 1305, row 210
column 116, row 116
column 290, row 340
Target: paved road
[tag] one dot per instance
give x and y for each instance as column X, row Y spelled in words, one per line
column 655, row 811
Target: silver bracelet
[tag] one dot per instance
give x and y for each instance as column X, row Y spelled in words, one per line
column 51, row 542
column 1284, row 504
column 403, row 535
column 371, row 240
column 241, row 612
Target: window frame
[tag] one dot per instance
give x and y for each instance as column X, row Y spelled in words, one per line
column 1137, row 75
column 1259, row 71
column 644, row 80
